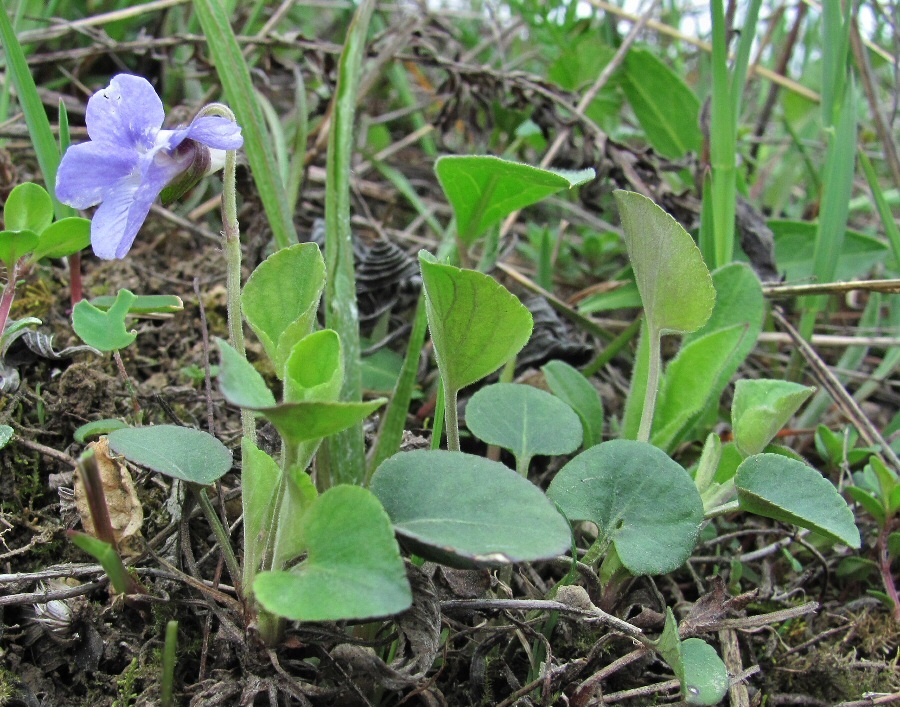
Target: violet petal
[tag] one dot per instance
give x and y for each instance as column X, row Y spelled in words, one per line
column 127, row 113
column 89, row 170
column 216, row 132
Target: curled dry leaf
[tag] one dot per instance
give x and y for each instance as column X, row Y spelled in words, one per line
column 125, row 513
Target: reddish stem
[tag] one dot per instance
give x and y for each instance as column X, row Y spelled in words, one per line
column 9, row 293
column 884, row 559
column 75, row 289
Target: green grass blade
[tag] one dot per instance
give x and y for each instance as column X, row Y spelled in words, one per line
column 35, row 115
column 881, row 204
column 394, row 420
column 722, row 148
column 742, row 59
column 838, row 181
column 835, row 43
column 239, row 92
column 301, row 133
column 346, row 453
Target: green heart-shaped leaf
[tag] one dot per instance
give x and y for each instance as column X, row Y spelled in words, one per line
column 639, row 498
column 524, row 420
column 675, row 285
column 761, row 407
column 180, row 452
column 788, row 490
column 483, row 190
column 281, row 297
column 28, row 208
column 467, row 511
column 104, row 330
column 297, row 422
column 353, row 569
column 314, row 370
column 476, row 324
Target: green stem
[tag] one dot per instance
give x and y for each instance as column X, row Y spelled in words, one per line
column 652, row 386
column 725, row 508
column 451, row 420
column 221, row 534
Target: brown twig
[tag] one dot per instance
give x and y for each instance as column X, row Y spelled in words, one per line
column 839, row 394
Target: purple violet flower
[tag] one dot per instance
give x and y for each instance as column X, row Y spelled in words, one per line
column 130, row 160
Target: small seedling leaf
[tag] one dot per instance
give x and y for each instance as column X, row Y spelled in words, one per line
column 476, row 324
column 483, row 189
column 788, row 490
column 675, row 285
column 638, row 497
column 104, row 330
column 28, row 208
column 523, row 419
column 109, row 560
column 180, row 452
column 570, row 386
column 761, row 407
column 467, row 511
column 62, row 238
column 281, row 297
column 144, row 304
column 15, row 244
column 704, row 678
column 96, row 428
column 353, row 569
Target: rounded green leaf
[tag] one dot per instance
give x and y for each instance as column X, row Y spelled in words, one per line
column 476, row 324
column 761, row 407
column 568, row 384
column 467, row 511
column 281, row 297
column 638, row 497
column 353, row 569
column 483, row 189
column 104, row 330
column 675, row 285
column 65, row 237
column 28, row 208
column 15, row 244
column 180, row 452
column 788, row 490
column 704, row 678
column 523, row 419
